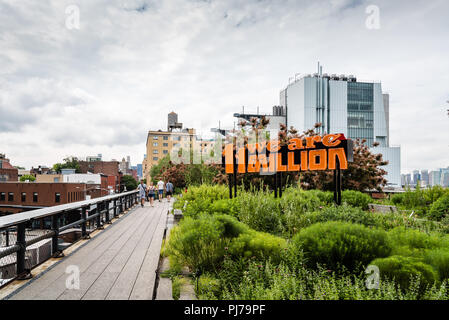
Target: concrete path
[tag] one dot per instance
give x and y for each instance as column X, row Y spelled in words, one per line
column 118, row 263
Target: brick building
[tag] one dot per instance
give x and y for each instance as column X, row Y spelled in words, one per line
column 7, row 171
column 22, row 196
column 108, row 168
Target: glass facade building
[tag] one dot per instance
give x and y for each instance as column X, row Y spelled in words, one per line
column 361, row 111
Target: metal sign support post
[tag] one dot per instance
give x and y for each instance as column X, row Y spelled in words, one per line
column 275, row 184
column 280, row 184
column 337, row 184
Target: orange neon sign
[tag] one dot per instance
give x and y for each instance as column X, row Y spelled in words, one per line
column 316, row 153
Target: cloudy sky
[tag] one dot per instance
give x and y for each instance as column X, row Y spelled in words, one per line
column 97, row 84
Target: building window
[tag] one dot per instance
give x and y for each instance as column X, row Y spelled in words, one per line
column 55, row 179
column 165, row 151
column 155, row 152
column 10, row 196
column 34, row 196
column 24, row 196
column 154, row 144
column 2, row 196
column 165, row 137
column 155, row 138
column 165, row 144
column 155, row 158
column 57, row 197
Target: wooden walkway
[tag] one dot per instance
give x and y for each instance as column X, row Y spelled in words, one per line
column 118, row 263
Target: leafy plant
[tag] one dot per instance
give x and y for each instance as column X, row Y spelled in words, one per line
column 336, row 244
column 439, row 259
column 198, row 243
column 260, row 211
column 404, row 269
column 28, row 177
column 440, row 208
column 129, row 182
column 257, row 244
column 356, row 199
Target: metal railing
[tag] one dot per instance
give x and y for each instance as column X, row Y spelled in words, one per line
column 83, row 213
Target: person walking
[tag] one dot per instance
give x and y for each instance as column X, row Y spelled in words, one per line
column 169, row 190
column 142, row 192
column 160, row 186
column 151, row 193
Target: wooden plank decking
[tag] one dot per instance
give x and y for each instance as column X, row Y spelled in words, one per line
column 118, row 263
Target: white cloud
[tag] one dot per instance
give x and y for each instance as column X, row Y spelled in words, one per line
column 100, row 88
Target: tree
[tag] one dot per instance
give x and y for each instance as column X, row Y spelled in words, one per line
column 364, row 173
column 129, row 182
column 160, row 167
column 28, row 177
column 69, row 163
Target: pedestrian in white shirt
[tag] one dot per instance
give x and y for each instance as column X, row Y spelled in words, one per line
column 160, row 186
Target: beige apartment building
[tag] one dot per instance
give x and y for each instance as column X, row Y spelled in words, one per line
column 49, row 178
column 161, row 143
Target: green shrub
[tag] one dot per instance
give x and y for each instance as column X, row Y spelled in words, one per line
column 439, row 259
column 197, row 207
column 208, row 287
column 258, row 244
column 268, row 281
column 434, row 193
column 415, row 239
column 293, row 205
column 261, row 212
column 337, row 244
column 232, row 227
column 415, row 200
column 203, row 192
column 202, row 243
column 346, row 213
column 299, row 201
column 397, row 199
column 226, row 206
column 356, row 199
column 198, row 243
column 326, row 197
column 403, row 269
column 440, row 208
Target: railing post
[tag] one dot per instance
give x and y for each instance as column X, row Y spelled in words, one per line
column 99, row 226
column 108, row 220
column 115, row 208
column 83, row 225
column 55, row 226
column 7, row 237
column 22, row 272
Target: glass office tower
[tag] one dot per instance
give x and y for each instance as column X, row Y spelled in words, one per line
column 361, row 111
column 341, row 104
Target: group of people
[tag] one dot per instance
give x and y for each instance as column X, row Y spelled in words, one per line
column 149, row 193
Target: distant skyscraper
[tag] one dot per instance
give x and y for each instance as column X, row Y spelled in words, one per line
column 444, row 177
column 343, row 105
column 425, row 177
column 416, row 177
column 139, row 170
column 434, row 178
